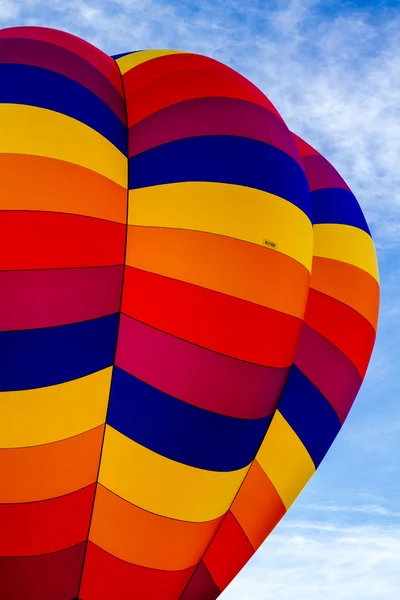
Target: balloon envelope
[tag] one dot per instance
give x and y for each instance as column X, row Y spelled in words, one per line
column 189, row 301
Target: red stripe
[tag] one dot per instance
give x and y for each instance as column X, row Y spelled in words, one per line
column 153, row 69
column 47, row 577
column 343, row 326
column 210, row 319
column 201, row 586
column 304, row 148
column 228, row 553
column 103, row 63
column 42, row 527
column 106, row 577
column 187, row 85
column 42, row 240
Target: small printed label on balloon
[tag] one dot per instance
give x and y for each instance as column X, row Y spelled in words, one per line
column 270, row 244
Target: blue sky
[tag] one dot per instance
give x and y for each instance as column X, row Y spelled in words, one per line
column 333, row 73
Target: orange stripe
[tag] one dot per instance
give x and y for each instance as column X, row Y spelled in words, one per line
column 257, row 507
column 145, row 539
column 226, row 265
column 51, row 470
column 38, row 183
column 348, row 284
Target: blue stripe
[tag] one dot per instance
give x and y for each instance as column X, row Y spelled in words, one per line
column 34, row 86
column 180, row 431
column 40, row 357
column 335, row 205
column 224, row 159
column 309, row 414
column 117, row 56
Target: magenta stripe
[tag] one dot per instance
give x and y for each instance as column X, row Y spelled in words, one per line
column 328, row 369
column 58, row 59
column 321, row 174
column 211, row 116
column 195, row 375
column 35, row 299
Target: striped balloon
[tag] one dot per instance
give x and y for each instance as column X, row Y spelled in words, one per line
column 189, row 302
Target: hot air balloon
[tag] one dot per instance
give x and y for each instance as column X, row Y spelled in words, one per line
column 189, row 302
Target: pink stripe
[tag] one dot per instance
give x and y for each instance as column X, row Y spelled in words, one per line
column 58, row 59
column 198, row 376
column 35, row 299
column 329, row 370
column 321, row 174
column 211, row 116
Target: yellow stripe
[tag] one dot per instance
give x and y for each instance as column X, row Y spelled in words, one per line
column 163, row 486
column 128, row 62
column 347, row 244
column 44, row 415
column 41, row 132
column 285, row 460
column 231, row 210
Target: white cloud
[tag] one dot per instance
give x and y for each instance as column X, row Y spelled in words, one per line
column 334, row 77
column 309, row 561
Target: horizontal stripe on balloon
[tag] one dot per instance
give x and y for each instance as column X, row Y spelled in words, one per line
column 223, row 159
column 42, row 527
column 133, row 59
column 321, row 174
column 222, row 264
column 309, row 414
column 232, row 210
column 331, row 372
column 348, row 284
column 211, row 116
column 211, row 320
column 347, row 244
column 41, row 357
column 228, row 537
column 163, row 486
column 58, row 241
column 180, row 431
column 36, row 299
column 43, row 577
column 160, row 66
column 106, row 577
column 39, row 183
column 187, row 85
column 34, row 86
column 60, row 60
column 102, row 62
column 334, row 205
column 342, row 326
column 50, row 470
column 53, row 413
column 201, row 585
column 142, row 538
column 197, row 376
column 32, row 130
column 257, row 507
column 285, row 460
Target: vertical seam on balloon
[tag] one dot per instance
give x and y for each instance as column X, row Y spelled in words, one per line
column 116, row 341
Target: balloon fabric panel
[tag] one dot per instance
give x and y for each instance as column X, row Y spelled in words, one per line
column 189, row 303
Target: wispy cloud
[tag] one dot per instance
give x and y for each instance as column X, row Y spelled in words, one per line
column 310, row 561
